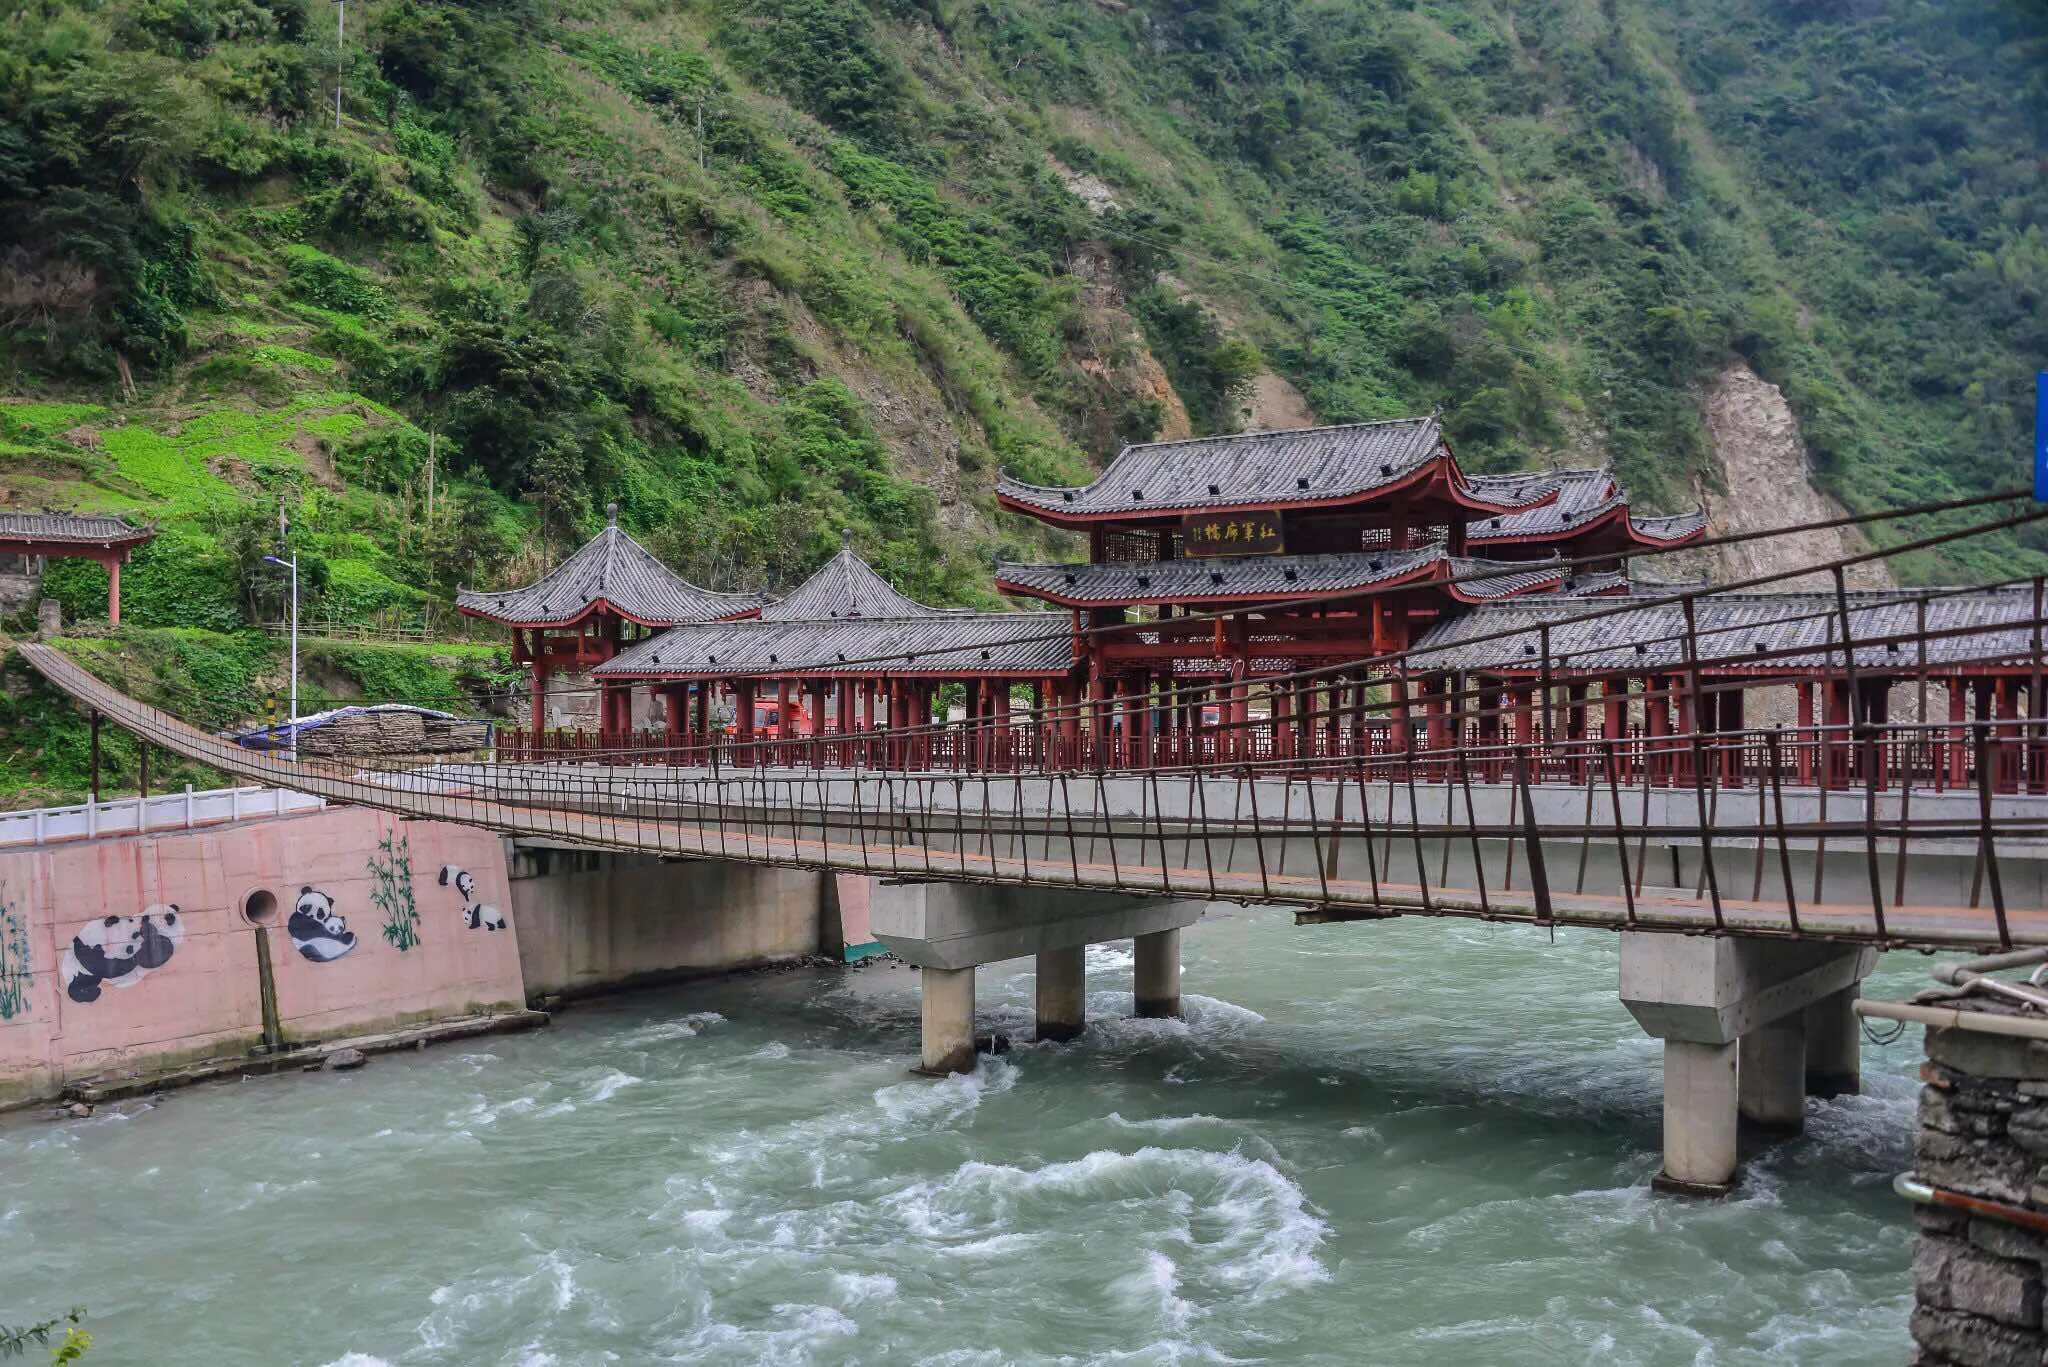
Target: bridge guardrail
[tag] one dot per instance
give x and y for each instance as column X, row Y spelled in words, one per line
column 146, row 815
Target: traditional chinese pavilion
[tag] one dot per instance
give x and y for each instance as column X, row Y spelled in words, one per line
column 34, row 537
column 611, row 593
column 1216, row 562
column 844, row 652
column 1324, row 545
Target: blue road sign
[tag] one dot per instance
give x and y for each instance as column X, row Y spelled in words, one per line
column 2041, row 437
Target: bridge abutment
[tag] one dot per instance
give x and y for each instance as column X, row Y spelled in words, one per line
column 1732, row 1012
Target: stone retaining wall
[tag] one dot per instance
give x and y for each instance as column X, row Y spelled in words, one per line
column 1978, row 1282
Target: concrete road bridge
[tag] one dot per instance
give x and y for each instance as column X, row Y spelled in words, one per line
column 1749, row 905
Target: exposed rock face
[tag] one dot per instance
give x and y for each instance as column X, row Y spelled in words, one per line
column 1112, row 352
column 1769, row 483
column 1276, row 406
column 393, row 733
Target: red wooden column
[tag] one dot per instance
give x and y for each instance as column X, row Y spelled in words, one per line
column 1398, row 691
column 540, row 690
column 1957, row 738
column 1485, row 708
column 1097, row 740
column 1333, row 717
column 743, row 720
column 2007, row 697
column 1237, row 714
column 1279, row 722
column 864, row 721
column 1005, row 752
column 1731, row 720
column 1141, row 720
column 816, row 746
column 1656, row 727
column 113, row 564
column 1877, row 709
column 843, row 720
column 985, row 708
column 677, row 698
column 785, row 718
column 1614, row 726
column 1575, row 728
column 1436, row 711
column 1836, row 770
column 1805, row 741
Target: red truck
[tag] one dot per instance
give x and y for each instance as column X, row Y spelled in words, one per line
column 768, row 720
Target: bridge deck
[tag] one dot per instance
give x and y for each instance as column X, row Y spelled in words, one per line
column 1328, row 896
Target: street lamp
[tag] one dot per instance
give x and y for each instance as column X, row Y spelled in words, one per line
column 291, row 564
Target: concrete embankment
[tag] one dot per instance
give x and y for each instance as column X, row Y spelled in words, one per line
column 144, row 958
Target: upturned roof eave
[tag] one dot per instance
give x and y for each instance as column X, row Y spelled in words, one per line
column 1441, row 463
column 598, row 607
column 1640, row 537
column 1418, row 577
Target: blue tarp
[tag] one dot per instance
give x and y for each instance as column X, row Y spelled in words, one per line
column 279, row 737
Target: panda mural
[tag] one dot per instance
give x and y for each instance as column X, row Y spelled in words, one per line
column 120, row 950
column 317, row 932
column 475, row 915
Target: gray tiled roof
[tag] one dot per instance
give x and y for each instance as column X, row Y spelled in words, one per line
column 846, row 586
column 1269, row 577
column 1591, row 583
column 1032, row 644
column 1221, row 576
column 80, row 528
column 1669, row 526
column 611, row 568
column 1583, row 496
column 1304, row 465
column 1737, row 632
column 1487, row 579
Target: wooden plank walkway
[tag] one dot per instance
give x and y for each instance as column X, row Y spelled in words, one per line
column 1325, row 898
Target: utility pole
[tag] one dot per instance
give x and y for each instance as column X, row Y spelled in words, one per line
column 283, row 528
column 340, row 55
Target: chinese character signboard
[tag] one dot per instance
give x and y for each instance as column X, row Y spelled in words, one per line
column 1255, row 533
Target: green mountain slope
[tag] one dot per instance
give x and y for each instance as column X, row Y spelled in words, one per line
column 762, row 270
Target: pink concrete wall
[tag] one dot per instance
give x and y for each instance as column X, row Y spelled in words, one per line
column 174, row 975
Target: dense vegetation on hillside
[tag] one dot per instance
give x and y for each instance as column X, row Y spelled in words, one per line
column 760, row 270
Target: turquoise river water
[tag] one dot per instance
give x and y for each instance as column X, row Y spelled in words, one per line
column 1405, row 1142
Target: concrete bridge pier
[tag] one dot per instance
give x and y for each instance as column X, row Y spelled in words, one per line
column 948, row 1002
column 1062, row 992
column 1155, row 974
column 1770, row 1063
column 1834, row 1046
column 1733, row 1013
column 948, row 929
